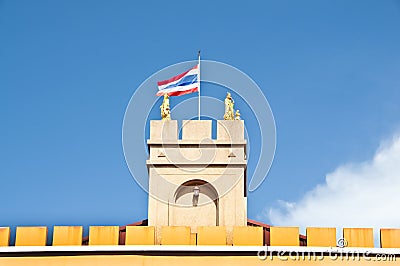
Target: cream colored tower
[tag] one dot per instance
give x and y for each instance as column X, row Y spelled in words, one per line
column 196, row 180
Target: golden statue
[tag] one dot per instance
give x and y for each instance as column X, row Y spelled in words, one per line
column 165, row 111
column 229, row 112
column 237, row 115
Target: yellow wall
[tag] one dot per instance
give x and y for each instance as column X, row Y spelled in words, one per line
column 67, row 235
column 103, row 235
column 4, row 236
column 321, row 237
column 211, row 235
column 139, row 235
column 129, row 260
column 358, row 237
column 175, row 235
column 31, row 236
column 284, row 236
column 193, row 239
column 248, row 236
column 390, row 238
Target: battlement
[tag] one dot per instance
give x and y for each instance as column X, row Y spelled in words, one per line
column 256, row 244
column 206, row 235
column 195, row 131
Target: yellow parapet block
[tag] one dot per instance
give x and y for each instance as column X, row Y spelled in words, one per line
column 67, row 235
column 103, row 235
column 175, row 235
column 390, row 238
column 284, row 236
column 211, row 235
column 248, row 236
column 4, row 236
column 31, row 236
column 193, row 239
column 358, row 237
column 139, row 235
column 321, row 237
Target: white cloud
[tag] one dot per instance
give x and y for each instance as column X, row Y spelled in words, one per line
column 363, row 194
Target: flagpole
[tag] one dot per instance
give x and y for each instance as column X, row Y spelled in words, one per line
column 199, row 82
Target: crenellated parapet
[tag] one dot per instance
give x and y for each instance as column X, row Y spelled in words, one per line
column 195, row 130
column 265, row 235
column 196, row 145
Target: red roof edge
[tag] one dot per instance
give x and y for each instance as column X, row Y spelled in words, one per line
column 254, row 222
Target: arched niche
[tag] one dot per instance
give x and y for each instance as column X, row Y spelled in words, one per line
column 191, row 211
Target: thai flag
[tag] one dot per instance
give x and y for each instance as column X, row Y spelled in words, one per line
column 184, row 83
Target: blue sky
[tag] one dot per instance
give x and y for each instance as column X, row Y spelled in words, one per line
column 329, row 69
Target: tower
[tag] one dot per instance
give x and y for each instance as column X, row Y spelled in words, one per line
column 196, row 180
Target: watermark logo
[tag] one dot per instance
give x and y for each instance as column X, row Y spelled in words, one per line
column 254, row 107
column 342, row 243
column 333, row 255
column 339, row 253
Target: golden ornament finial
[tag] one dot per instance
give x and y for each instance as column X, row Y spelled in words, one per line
column 229, row 111
column 165, row 111
column 237, row 115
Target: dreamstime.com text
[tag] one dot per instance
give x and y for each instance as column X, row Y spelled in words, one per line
column 335, row 255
